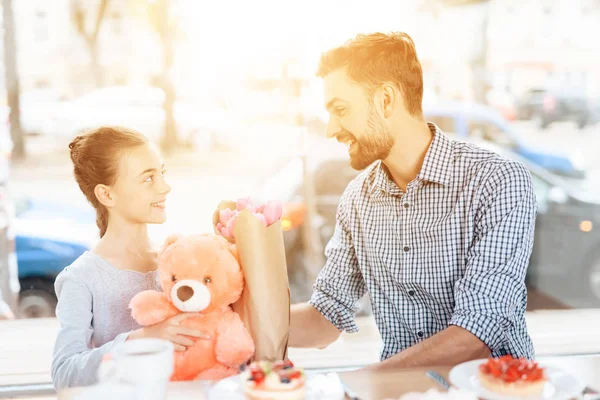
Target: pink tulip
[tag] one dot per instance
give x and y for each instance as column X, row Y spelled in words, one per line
column 267, row 214
column 222, row 230
column 229, row 229
column 244, row 203
column 225, row 215
column 261, row 218
column 272, row 212
column 227, row 232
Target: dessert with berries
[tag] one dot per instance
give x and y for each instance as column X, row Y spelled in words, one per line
column 279, row 380
column 512, row 376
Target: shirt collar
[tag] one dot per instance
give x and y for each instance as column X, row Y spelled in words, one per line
column 439, row 160
column 437, row 165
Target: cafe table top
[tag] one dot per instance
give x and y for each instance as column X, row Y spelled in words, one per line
column 391, row 384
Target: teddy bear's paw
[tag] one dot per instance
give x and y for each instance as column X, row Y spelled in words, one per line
column 217, row 372
column 151, row 307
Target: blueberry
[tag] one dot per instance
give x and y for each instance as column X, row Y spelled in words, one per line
column 287, row 366
column 285, row 380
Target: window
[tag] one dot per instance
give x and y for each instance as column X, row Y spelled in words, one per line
column 260, row 159
column 40, row 26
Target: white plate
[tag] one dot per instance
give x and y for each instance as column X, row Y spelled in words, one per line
column 318, row 387
column 560, row 385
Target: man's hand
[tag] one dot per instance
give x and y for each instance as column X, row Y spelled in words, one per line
column 309, row 328
column 452, row 346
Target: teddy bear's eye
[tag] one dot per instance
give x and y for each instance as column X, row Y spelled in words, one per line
column 173, row 278
column 207, row 279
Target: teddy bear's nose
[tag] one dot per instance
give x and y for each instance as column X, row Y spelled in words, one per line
column 190, row 295
column 184, row 293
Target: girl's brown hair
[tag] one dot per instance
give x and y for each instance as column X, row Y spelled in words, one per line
column 95, row 161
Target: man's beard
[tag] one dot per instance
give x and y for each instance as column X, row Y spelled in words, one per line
column 375, row 144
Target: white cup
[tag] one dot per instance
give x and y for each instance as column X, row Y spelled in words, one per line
column 145, row 364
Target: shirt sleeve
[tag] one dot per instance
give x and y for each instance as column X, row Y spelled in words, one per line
column 491, row 295
column 340, row 283
column 75, row 362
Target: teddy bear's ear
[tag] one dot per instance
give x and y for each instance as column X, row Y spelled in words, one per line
column 170, row 240
column 229, row 246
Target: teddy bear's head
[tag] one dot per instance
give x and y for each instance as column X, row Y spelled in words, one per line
column 200, row 272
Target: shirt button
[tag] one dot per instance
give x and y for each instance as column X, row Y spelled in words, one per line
column 406, row 249
column 406, row 205
column 411, row 292
column 420, row 334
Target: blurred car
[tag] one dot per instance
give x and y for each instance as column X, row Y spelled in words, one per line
column 37, row 107
column 9, row 280
column 550, row 104
column 469, row 121
column 472, row 121
column 504, row 102
column 136, row 107
column 567, row 238
column 49, row 237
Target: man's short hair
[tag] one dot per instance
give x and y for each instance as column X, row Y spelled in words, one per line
column 376, row 58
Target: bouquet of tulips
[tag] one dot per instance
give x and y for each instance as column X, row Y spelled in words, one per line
column 265, row 303
column 267, row 214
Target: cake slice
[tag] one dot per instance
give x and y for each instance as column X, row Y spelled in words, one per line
column 280, row 380
column 510, row 376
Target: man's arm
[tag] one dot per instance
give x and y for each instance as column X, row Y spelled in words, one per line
column 451, row 346
column 488, row 299
column 337, row 290
column 309, row 328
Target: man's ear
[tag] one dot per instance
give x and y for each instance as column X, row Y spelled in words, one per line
column 391, row 97
column 104, row 195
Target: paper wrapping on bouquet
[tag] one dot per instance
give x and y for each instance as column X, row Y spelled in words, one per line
column 265, row 303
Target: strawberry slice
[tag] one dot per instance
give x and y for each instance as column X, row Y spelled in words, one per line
column 295, row 375
column 258, row 376
column 511, row 369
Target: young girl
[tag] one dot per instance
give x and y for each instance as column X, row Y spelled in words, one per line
column 122, row 175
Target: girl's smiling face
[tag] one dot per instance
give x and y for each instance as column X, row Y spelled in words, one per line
column 140, row 190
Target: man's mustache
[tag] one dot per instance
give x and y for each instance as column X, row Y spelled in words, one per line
column 344, row 136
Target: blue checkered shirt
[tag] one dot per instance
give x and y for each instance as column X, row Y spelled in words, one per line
column 452, row 249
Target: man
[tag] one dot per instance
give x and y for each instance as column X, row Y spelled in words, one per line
column 437, row 232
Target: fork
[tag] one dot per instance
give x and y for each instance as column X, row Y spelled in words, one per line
column 590, row 394
column 349, row 393
column 439, row 379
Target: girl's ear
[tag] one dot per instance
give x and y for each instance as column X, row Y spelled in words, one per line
column 104, row 195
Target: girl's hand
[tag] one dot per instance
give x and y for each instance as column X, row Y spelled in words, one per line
column 170, row 330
